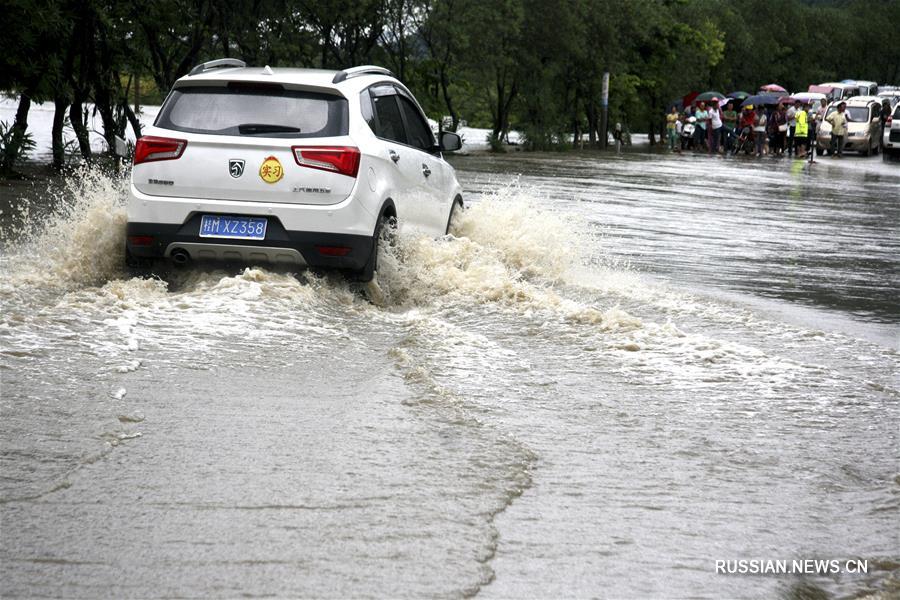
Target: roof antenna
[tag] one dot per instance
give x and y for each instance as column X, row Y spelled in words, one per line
column 268, row 70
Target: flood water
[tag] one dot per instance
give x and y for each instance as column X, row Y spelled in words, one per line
column 620, row 370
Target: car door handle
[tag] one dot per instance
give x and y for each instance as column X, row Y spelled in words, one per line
column 425, row 170
column 394, row 156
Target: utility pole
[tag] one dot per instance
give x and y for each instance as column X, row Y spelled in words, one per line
column 604, row 109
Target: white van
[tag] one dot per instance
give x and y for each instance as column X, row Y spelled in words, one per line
column 841, row 91
column 866, row 88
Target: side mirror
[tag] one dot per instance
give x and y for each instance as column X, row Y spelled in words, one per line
column 450, row 142
column 121, row 148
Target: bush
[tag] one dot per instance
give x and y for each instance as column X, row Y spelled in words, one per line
column 10, row 151
column 538, row 138
column 496, row 143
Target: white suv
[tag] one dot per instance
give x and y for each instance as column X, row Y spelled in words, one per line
column 289, row 166
column 891, row 141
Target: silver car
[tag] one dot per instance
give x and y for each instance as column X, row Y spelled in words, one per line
column 863, row 127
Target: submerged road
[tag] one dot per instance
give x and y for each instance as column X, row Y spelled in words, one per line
column 619, row 371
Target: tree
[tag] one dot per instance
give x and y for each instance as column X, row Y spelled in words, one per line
column 29, row 63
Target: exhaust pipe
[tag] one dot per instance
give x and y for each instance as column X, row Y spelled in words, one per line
column 180, row 256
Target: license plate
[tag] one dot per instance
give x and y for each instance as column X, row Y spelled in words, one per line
column 241, row 228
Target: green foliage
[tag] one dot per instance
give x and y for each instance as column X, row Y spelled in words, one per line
column 496, row 143
column 9, row 147
column 530, row 65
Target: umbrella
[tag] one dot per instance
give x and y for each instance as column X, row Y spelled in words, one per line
column 772, row 87
column 739, row 95
column 707, row 96
column 761, row 100
column 689, row 99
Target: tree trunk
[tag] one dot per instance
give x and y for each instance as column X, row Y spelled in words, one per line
column 445, row 90
column 591, row 110
column 61, row 103
column 17, row 133
column 504, row 108
column 110, row 130
column 135, row 124
column 76, row 116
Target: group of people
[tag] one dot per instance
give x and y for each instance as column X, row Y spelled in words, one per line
column 774, row 131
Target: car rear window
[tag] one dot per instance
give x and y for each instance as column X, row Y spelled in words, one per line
column 263, row 110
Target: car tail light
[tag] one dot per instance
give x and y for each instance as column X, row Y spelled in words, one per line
column 890, row 120
column 141, row 240
column 337, row 159
column 150, row 148
column 333, row 250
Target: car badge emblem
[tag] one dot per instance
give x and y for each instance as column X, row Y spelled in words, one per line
column 236, row 167
column 271, row 170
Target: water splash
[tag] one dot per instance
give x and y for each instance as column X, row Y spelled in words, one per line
column 506, row 249
column 78, row 243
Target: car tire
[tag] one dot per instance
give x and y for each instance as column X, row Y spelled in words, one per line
column 455, row 211
column 384, row 233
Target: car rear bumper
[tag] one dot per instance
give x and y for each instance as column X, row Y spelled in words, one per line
column 891, row 140
column 157, row 241
column 350, row 216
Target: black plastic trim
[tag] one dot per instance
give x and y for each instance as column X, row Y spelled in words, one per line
column 276, row 237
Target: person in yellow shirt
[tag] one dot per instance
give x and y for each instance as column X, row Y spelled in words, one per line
column 671, row 119
column 801, row 129
column 838, row 120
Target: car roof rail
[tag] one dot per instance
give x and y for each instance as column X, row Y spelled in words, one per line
column 217, row 64
column 363, row 70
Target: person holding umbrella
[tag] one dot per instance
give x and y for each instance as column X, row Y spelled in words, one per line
column 777, row 129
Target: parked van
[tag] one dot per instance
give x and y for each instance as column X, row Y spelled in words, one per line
column 841, row 91
column 866, row 88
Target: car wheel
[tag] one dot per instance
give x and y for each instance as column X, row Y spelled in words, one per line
column 455, row 212
column 385, row 232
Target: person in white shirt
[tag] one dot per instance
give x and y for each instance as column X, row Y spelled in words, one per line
column 715, row 126
column 759, row 131
column 679, row 127
column 792, row 127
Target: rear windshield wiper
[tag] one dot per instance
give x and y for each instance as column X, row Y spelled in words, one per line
column 253, row 128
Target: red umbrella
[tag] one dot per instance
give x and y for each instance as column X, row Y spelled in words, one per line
column 772, row 87
column 689, row 99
